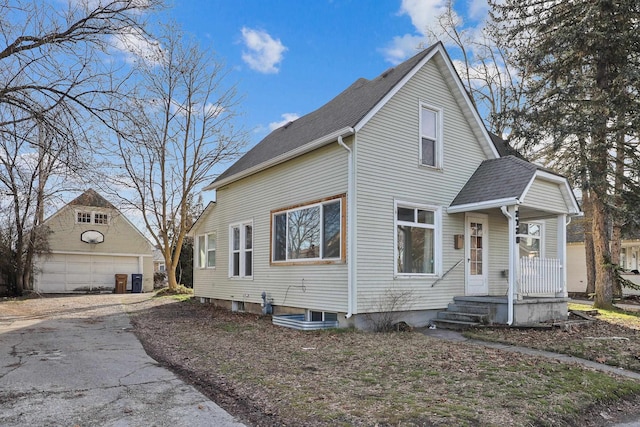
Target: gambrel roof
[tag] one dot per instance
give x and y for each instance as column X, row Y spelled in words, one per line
column 342, row 116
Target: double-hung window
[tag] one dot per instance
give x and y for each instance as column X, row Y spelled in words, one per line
column 241, row 250
column 206, row 251
column 416, row 240
column 310, row 232
column 430, row 136
column 530, row 239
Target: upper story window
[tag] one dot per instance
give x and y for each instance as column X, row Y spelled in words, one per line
column 310, row 232
column 241, row 250
column 87, row 217
column 206, row 251
column 530, row 239
column 83, row 217
column 417, row 251
column 430, row 136
column 100, row 218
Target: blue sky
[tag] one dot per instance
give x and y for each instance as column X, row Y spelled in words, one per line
column 289, row 57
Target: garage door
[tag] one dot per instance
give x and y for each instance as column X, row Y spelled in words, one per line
column 68, row 273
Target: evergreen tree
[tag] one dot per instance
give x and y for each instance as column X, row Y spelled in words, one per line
column 582, row 63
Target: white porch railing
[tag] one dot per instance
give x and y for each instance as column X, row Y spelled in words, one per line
column 540, row 276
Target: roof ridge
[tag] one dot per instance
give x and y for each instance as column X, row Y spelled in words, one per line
column 343, row 111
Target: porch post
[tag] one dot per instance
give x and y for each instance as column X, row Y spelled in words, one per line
column 510, row 213
column 562, row 253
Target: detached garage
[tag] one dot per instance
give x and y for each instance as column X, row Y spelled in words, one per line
column 91, row 242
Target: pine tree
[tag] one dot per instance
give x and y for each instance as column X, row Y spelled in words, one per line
column 581, row 95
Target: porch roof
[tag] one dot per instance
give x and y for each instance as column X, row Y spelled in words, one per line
column 504, row 182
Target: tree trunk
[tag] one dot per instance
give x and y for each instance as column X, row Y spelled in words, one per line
column 588, row 244
column 602, row 255
column 616, row 234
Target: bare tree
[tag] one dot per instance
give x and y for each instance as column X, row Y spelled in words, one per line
column 485, row 67
column 180, row 127
column 54, row 85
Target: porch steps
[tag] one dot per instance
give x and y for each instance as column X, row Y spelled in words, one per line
column 461, row 315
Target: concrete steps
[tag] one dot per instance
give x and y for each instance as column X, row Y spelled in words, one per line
column 461, row 315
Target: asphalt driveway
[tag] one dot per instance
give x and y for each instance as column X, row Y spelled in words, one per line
column 73, row 361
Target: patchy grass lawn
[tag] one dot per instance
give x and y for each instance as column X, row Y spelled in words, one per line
column 268, row 375
column 614, row 338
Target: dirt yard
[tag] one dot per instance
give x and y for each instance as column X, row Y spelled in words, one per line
column 272, row 376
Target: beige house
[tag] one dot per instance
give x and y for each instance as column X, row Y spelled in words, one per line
column 577, row 264
column 391, row 197
column 91, row 241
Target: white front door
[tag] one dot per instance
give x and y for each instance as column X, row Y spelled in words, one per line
column 476, row 254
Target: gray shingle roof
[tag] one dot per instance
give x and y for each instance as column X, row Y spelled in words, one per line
column 91, row 198
column 501, row 178
column 345, row 110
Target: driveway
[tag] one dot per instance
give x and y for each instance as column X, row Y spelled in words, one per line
column 73, row 361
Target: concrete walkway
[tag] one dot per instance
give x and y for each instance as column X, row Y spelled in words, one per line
column 86, row 368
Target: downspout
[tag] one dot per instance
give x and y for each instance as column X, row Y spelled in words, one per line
column 512, row 264
column 350, row 223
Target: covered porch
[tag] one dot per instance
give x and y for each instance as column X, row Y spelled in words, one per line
column 529, row 198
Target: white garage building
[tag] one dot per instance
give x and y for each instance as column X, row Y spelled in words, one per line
column 91, row 241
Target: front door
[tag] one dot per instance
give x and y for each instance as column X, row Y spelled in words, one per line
column 476, row 254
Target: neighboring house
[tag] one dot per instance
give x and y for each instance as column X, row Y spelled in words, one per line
column 158, row 261
column 90, row 242
column 577, row 265
column 392, row 196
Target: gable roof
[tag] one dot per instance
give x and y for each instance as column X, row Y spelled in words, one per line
column 505, row 181
column 496, row 179
column 349, row 110
column 91, row 198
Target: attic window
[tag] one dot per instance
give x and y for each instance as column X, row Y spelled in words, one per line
column 84, row 217
column 100, row 218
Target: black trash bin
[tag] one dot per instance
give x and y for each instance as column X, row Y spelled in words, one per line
column 136, row 283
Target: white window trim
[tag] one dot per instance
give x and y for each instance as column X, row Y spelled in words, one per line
column 242, row 250
column 439, row 137
column 92, row 217
column 321, row 251
column 437, row 236
column 206, row 251
column 541, row 224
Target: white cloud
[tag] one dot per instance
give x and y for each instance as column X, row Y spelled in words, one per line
column 423, row 13
column 286, row 118
column 477, row 9
column 402, row 47
column 264, row 54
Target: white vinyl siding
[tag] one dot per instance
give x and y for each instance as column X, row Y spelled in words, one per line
column 547, row 194
column 318, row 175
column 384, row 174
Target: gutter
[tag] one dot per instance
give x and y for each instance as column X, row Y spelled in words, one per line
column 350, row 224
column 317, row 143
